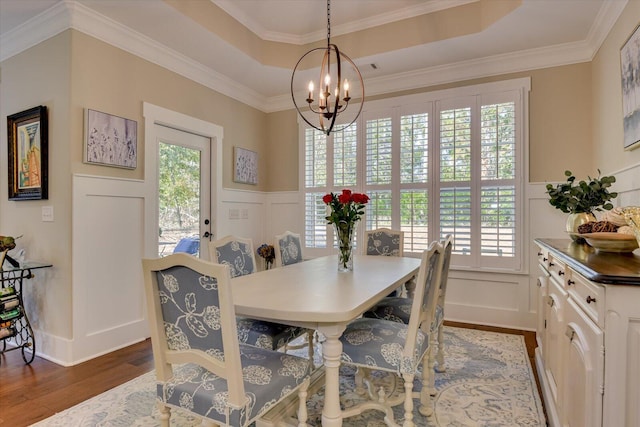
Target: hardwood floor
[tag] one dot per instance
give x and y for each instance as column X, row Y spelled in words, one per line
column 31, row 393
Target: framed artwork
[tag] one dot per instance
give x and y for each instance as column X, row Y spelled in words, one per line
column 245, row 168
column 630, row 69
column 110, row 140
column 28, row 154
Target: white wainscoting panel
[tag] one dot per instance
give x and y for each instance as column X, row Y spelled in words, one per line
column 108, row 238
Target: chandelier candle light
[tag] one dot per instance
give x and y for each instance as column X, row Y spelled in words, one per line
column 334, row 83
column 346, row 209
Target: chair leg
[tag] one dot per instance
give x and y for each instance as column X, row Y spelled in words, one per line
column 440, row 357
column 310, row 335
column 302, row 404
column 408, row 400
column 426, row 405
column 431, row 357
column 165, row 415
column 361, row 374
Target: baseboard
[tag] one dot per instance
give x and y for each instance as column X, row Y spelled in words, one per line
column 552, row 414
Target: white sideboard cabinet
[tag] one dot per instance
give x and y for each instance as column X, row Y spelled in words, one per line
column 588, row 335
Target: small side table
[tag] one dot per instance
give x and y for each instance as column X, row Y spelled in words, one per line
column 14, row 323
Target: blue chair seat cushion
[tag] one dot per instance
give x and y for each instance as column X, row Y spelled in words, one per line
column 263, row 334
column 267, row 375
column 379, row 344
column 398, row 310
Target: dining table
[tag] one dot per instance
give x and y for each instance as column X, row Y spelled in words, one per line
column 315, row 295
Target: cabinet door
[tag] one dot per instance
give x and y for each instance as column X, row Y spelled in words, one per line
column 541, row 319
column 553, row 342
column 584, row 370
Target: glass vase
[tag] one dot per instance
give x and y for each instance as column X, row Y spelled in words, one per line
column 344, row 239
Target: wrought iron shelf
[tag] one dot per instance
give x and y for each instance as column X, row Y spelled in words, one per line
column 20, row 334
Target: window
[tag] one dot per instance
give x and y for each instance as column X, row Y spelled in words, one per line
column 446, row 162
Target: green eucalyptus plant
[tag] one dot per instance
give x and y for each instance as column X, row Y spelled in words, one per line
column 583, row 196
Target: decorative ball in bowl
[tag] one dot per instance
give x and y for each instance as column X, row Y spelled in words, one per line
column 611, row 242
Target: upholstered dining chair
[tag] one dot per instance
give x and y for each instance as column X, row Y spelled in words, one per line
column 387, row 242
column 384, row 241
column 238, row 254
column 399, row 310
column 288, row 249
column 385, row 345
column 201, row 367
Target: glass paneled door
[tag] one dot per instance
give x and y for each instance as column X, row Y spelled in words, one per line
column 184, row 192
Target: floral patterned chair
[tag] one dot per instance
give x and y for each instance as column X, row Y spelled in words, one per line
column 200, row 366
column 384, row 241
column 399, row 310
column 238, row 254
column 387, row 242
column 288, row 249
column 385, row 345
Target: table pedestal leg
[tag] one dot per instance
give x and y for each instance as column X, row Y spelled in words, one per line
column 331, row 351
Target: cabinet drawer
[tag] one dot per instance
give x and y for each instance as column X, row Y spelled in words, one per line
column 543, row 256
column 589, row 296
column 557, row 269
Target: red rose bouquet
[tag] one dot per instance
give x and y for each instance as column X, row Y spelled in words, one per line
column 346, row 209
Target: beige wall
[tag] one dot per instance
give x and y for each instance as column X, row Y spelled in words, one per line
column 41, row 76
column 69, row 73
column 111, row 80
column 608, row 133
column 559, row 135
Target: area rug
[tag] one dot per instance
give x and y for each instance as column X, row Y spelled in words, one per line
column 488, row 382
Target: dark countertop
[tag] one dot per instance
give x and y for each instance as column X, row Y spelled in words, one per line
column 601, row 267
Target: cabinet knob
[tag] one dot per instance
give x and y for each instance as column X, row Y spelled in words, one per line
column 570, row 282
column 590, row 299
column 545, row 259
column 560, row 273
column 550, row 302
column 551, row 264
column 540, row 254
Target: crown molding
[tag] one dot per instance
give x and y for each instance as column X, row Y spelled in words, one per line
column 70, row 14
column 566, row 54
column 361, row 24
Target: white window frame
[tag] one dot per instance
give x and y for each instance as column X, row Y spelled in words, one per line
column 514, row 90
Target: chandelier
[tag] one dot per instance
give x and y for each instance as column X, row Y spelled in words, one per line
column 338, row 80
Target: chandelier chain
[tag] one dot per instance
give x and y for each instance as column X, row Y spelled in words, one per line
column 328, row 22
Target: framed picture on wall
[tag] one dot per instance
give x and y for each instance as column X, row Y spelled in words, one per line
column 630, row 69
column 28, row 154
column 245, row 166
column 110, row 140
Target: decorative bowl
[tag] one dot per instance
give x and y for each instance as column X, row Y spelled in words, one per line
column 611, row 242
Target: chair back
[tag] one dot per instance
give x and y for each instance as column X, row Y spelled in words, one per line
column 192, row 318
column 423, row 306
column 447, row 244
column 189, row 245
column 236, row 252
column 288, row 249
column 384, row 241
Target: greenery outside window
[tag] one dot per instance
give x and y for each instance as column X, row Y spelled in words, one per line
column 433, row 164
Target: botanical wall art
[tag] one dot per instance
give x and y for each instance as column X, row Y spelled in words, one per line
column 630, row 68
column 110, row 140
column 28, row 154
column 245, row 166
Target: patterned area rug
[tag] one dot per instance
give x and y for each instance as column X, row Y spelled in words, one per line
column 488, row 382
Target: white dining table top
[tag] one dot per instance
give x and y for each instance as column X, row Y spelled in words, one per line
column 314, row 292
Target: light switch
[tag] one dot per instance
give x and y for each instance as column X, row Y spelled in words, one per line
column 234, row 213
column 244, row 213
column 47, row 213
